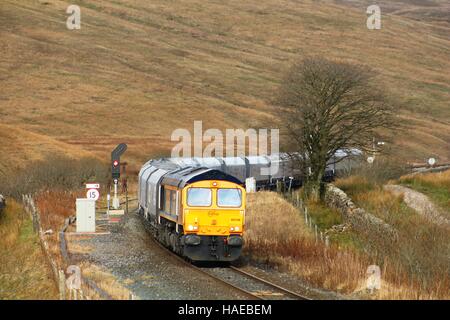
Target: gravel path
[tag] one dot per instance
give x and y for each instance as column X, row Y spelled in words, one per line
column 420, row 203
column 147, row 270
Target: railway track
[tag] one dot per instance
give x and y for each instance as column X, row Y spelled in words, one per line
column 261, row 288
column 249, row 285
column 284, row 291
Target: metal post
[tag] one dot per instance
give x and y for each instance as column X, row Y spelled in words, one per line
column 126, row 196
column 116, row 202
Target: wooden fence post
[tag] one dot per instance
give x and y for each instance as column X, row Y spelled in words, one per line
column 279, row 190
column 62, row 285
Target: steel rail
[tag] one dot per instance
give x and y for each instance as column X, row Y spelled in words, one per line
column 270, row 284
column 200, row 270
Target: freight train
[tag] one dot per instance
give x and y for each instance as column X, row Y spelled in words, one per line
column 196, row 206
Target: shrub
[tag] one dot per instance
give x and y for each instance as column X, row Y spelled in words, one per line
column 54, row 172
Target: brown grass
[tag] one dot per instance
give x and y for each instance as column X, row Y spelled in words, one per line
column 277, row 236
column 439, row 179
column 106, row 281
column 75, row 248
column 24, row 271
column 55, row 207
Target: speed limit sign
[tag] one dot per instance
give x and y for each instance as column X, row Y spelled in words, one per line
column 93, row 194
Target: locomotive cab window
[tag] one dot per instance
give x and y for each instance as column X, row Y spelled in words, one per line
column 199, row 197
column 166, row 200
column 229, row 198
column 173, row 202
column 169, row 200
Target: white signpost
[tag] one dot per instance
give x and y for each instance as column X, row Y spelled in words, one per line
column 432, row 161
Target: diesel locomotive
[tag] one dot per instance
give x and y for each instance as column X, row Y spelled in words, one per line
column 197, row 212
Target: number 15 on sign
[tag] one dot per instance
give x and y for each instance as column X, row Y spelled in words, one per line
column 93, row 194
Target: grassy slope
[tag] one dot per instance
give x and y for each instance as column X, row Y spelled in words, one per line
column 421, row 249
column 277, row 235
column 139, row 69
column 24, row 272
column 415, row 267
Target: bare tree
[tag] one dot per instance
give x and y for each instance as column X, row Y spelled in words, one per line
column 326, row 106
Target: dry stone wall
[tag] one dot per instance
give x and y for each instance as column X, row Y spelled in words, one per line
column 359, row 219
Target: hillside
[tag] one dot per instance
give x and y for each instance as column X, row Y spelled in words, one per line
column 139, row 69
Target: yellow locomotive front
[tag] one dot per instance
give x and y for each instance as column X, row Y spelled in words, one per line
column 213, row 220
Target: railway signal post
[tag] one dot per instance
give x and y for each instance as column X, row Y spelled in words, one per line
column 115, row 171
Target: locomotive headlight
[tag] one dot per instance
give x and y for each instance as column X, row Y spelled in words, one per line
column 232, row 228
column 190, row 227
column 236, row 228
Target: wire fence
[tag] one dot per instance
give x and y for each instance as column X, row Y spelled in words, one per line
column 295, row 199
